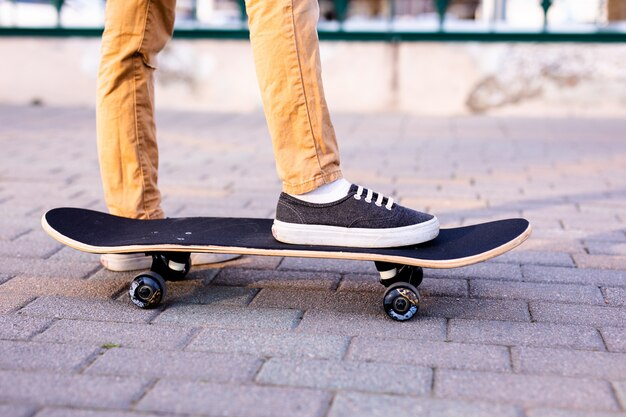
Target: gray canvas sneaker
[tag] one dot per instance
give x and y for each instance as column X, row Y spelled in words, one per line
column 363, row 219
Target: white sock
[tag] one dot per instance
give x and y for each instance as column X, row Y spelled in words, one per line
column 327, row 193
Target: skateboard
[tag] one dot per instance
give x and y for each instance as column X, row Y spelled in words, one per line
column 170, row 242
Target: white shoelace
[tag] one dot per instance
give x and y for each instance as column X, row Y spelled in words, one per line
column 370, row 194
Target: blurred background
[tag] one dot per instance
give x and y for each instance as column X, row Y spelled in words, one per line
column 425, row 57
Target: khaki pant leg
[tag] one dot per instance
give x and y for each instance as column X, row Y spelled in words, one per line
column 135, row 31
column 284, row 40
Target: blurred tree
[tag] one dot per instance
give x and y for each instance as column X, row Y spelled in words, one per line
column 341, row 9
column 442, row 6
column 242, row 8
column 545, row 5
column 58, row 5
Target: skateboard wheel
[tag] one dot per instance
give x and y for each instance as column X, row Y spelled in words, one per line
column 172, row 266
column 147, row 290
column 393, row 273
column 401, row 301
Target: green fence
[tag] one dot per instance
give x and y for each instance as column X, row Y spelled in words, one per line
column 340, row 32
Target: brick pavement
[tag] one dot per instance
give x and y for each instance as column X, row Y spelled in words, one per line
column 540, row 332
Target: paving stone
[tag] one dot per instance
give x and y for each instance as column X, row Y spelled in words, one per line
column 67, row 254
column 194, row 292
column 620, row 391
column 27, row 248
column 12, row 302
column 466, row 308
column 19, row 355
column 525, row 390
column 538, row 245
column 87, row 309
column 269, row 343
column 5, row 277
column 536, row 258
column 584, row 260
column 15, row 327
column 483, row 157
column 46, row 269
column 43, row 388
column 175, row 364
column 484, row 270
column 349, row 404
column 578, row 314
column 553, row 412
column 602, row 365
column 584, row 294
column 594, row 225
column 322, row 300
column 605, row 248
column 431, row 354
column 82, row 412
column 615, row 296
column 360, row 324
column 135, row 335
column 16, row 410
column 557, row 233
column 224, row 316
column 254, row 262
column 346, row 375
column 233, row 400
column 510, row 333
column 9, row 231
column 615, row 338
column 533, row 273
column 68, row 287
column 277, row 279
column 361, row 282
column 596, row 235
column 327, row 265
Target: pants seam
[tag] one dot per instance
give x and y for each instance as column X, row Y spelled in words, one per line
column 145, row 24
column 138, row 141
column 137, row 138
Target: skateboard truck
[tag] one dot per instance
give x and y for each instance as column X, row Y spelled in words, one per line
column 391, row 273
column 173, row 266
column 401, row 299
column 148, row 288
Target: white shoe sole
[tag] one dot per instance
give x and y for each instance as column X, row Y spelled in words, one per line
column 134, row 261
column 302, row 234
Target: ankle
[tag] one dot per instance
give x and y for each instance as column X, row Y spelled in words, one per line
column 327, row 193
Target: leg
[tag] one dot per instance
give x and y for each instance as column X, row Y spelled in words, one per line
column 284, row 40
column 135, row 31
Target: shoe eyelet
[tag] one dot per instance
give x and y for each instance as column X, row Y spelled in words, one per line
column 357, row 197
column 378, row 205
column 367, row 201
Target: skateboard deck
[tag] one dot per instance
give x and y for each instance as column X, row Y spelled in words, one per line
column 169, row 242
column 97, row 232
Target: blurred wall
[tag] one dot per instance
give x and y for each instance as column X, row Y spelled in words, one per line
column 418, row 78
